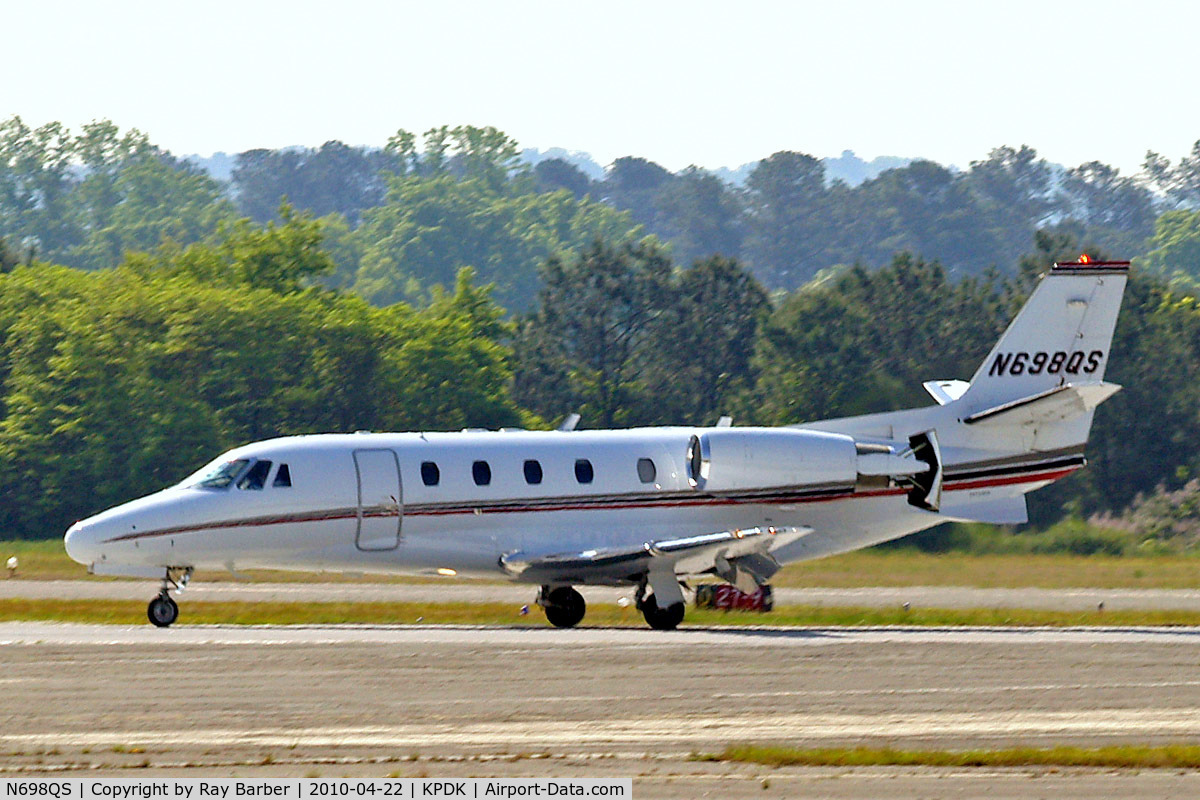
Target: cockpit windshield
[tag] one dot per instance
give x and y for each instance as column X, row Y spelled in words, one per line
column 222, row 475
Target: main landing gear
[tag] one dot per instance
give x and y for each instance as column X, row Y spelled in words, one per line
column 162, row 610
column 667, row 616
column 662, row 619
column 564, row 606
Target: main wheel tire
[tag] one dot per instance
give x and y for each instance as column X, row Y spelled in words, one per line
column 565, row 607
column 162, row 611
column 662, row 619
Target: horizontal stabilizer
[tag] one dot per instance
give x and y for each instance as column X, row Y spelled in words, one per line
column 946, row 391
column 1053, row 405
column 995, row 510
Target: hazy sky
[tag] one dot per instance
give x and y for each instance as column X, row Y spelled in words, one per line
column 710, row 83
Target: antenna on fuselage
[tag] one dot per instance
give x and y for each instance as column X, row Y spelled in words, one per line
column 725, row 422
column 569, row 423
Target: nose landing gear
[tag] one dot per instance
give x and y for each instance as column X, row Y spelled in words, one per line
column 162, row 610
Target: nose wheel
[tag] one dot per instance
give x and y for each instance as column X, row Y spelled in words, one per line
column 162, row 610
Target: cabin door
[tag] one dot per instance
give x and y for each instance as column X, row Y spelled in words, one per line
column 380, row 502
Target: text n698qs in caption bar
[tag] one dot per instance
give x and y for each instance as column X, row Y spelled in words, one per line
column 311, row 788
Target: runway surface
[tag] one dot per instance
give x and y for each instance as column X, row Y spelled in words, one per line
column 477, row 592
column 447, row 700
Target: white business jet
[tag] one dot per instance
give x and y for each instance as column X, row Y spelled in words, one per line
column 646, row 508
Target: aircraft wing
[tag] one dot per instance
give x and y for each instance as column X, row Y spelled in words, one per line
column 743, row 557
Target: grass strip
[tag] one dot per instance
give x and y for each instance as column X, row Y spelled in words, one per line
column 1175, row 756
column 129, row 612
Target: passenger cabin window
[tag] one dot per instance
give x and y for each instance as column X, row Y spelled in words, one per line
column 255, row 477
column 430, row 474
column 646, row 470
column 482, row 473
column 221, row 476
column 283, row 478
column 583, row 470
column 533, row 471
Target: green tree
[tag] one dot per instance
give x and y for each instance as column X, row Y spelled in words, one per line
column 134, row 196
column 699, row 356
column 1115, row 210
column 700, row 216
column 922, row 208
column 1175, row 247
column 120, row 381
column 585, row 345
column 35, row 181
column 283, row 257
column 332, row 179
column 1179, row 183
column 635, row 184
column 90, row 422
column 788, row 212
column 8, row 257
column 1017, row 192
column 431, row 227
column 553, row 174
column 865, row 341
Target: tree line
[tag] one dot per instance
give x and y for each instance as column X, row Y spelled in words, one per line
column 401, row 218
column 488, row 299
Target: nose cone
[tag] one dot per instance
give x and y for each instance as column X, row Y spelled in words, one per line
column 80, row 543
column 132, row 533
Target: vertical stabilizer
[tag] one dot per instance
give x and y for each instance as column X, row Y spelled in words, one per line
column 1062, row 336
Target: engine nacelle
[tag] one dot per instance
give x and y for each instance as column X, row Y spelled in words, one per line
column 735, row 459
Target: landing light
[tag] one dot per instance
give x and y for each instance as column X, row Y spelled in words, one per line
column 449, row 573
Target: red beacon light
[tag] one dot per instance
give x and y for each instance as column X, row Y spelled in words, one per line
column 1089, row 265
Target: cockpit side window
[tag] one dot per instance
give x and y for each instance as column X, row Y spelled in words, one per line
column 255, row 477
column 222, row 475
column 283, row 478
